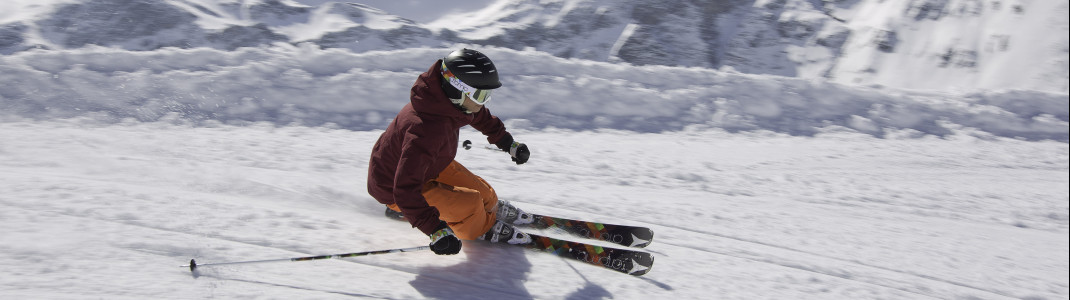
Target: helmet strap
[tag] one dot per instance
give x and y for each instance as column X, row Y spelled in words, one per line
column 458, row 104
column 462, row 109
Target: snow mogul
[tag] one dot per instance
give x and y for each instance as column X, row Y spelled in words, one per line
column 413, row 170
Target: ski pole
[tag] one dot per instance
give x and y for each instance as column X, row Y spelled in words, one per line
column 193, row 263
column 467, row 145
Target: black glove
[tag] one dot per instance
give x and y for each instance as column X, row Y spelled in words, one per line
column 519, row 151
column 443, row 242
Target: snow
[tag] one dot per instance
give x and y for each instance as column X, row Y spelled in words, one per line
column 415, row 10
column 946, row 45
column 986, row 38
column 118, row 167
column 112, row 210
column 306, row 85
column 624, row 36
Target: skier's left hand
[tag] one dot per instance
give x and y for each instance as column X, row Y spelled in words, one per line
column 519, row 151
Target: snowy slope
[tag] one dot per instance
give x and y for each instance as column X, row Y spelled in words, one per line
column 95, row 210
column 117, row 166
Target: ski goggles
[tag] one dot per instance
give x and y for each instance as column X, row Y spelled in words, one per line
column 479, row 96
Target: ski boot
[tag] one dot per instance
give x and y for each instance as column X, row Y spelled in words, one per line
column 394, row 215
column 511, row 215
column 504, row 232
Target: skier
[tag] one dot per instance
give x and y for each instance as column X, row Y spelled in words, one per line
column 412, row 168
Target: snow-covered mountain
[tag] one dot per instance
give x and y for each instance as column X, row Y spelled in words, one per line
column 932, row 44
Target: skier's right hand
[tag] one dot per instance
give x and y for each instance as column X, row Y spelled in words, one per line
column 443, row 242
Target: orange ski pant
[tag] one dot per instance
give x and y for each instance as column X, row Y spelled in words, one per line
column 465, row 201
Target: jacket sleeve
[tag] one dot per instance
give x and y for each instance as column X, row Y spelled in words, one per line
column 416, row 158
column 489, row 125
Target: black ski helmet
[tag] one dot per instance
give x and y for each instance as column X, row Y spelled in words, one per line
column 473, row 68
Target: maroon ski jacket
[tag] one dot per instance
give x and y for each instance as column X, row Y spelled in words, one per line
column 419, row 144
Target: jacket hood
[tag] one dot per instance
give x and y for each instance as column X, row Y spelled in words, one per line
column 428, row 98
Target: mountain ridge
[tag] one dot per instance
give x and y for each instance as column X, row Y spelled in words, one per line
column 930, row 44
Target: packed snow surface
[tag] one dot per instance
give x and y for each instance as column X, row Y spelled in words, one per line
column 111, row 211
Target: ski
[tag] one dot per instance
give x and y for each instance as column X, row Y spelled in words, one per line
column 628, row 261
column 624, row 235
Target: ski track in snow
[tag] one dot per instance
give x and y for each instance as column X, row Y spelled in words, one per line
column 112, row 210
column 874, row 279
